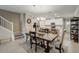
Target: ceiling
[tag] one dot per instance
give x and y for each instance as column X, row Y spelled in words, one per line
column 54, row 10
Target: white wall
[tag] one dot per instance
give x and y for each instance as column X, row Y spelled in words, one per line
column 67, row 25
column 29, row 27
column 22, row 22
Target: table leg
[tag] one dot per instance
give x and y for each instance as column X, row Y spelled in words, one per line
column 26, row 37
column 30, row 43
column 43, row 44
column 35, row 45
column 47, row 49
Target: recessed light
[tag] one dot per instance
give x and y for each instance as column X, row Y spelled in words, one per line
column 34, row 5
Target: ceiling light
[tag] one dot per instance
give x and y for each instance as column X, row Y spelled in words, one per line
column 34, row 5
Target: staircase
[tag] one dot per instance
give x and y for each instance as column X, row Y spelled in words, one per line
column 6, row 29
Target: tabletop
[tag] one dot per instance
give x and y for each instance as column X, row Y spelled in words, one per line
column 46, row 36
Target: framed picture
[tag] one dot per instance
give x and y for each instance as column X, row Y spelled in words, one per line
column 28, row 21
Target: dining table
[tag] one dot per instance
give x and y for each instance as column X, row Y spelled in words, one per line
column 47, row 39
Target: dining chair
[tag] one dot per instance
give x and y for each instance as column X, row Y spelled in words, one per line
column 27, row 36
column 59, row 43
column 34, row 40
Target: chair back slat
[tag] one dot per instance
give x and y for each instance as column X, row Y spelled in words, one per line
column 32, row 35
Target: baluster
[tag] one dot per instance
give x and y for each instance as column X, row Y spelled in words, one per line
column 0, row 20
column 3, row 23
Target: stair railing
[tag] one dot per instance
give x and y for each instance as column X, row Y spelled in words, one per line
column 7, row 25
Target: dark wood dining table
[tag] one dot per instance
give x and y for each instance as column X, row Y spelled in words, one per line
column 46, row 37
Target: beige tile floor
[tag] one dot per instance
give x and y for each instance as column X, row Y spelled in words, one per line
column 21, row 46
column 11, row 47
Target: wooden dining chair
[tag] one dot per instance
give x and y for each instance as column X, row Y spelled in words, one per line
column 34, row 40
column 59, row 46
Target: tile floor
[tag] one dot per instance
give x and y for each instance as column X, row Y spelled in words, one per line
column 21, row 46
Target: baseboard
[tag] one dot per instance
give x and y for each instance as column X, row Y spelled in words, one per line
column 19, row 36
